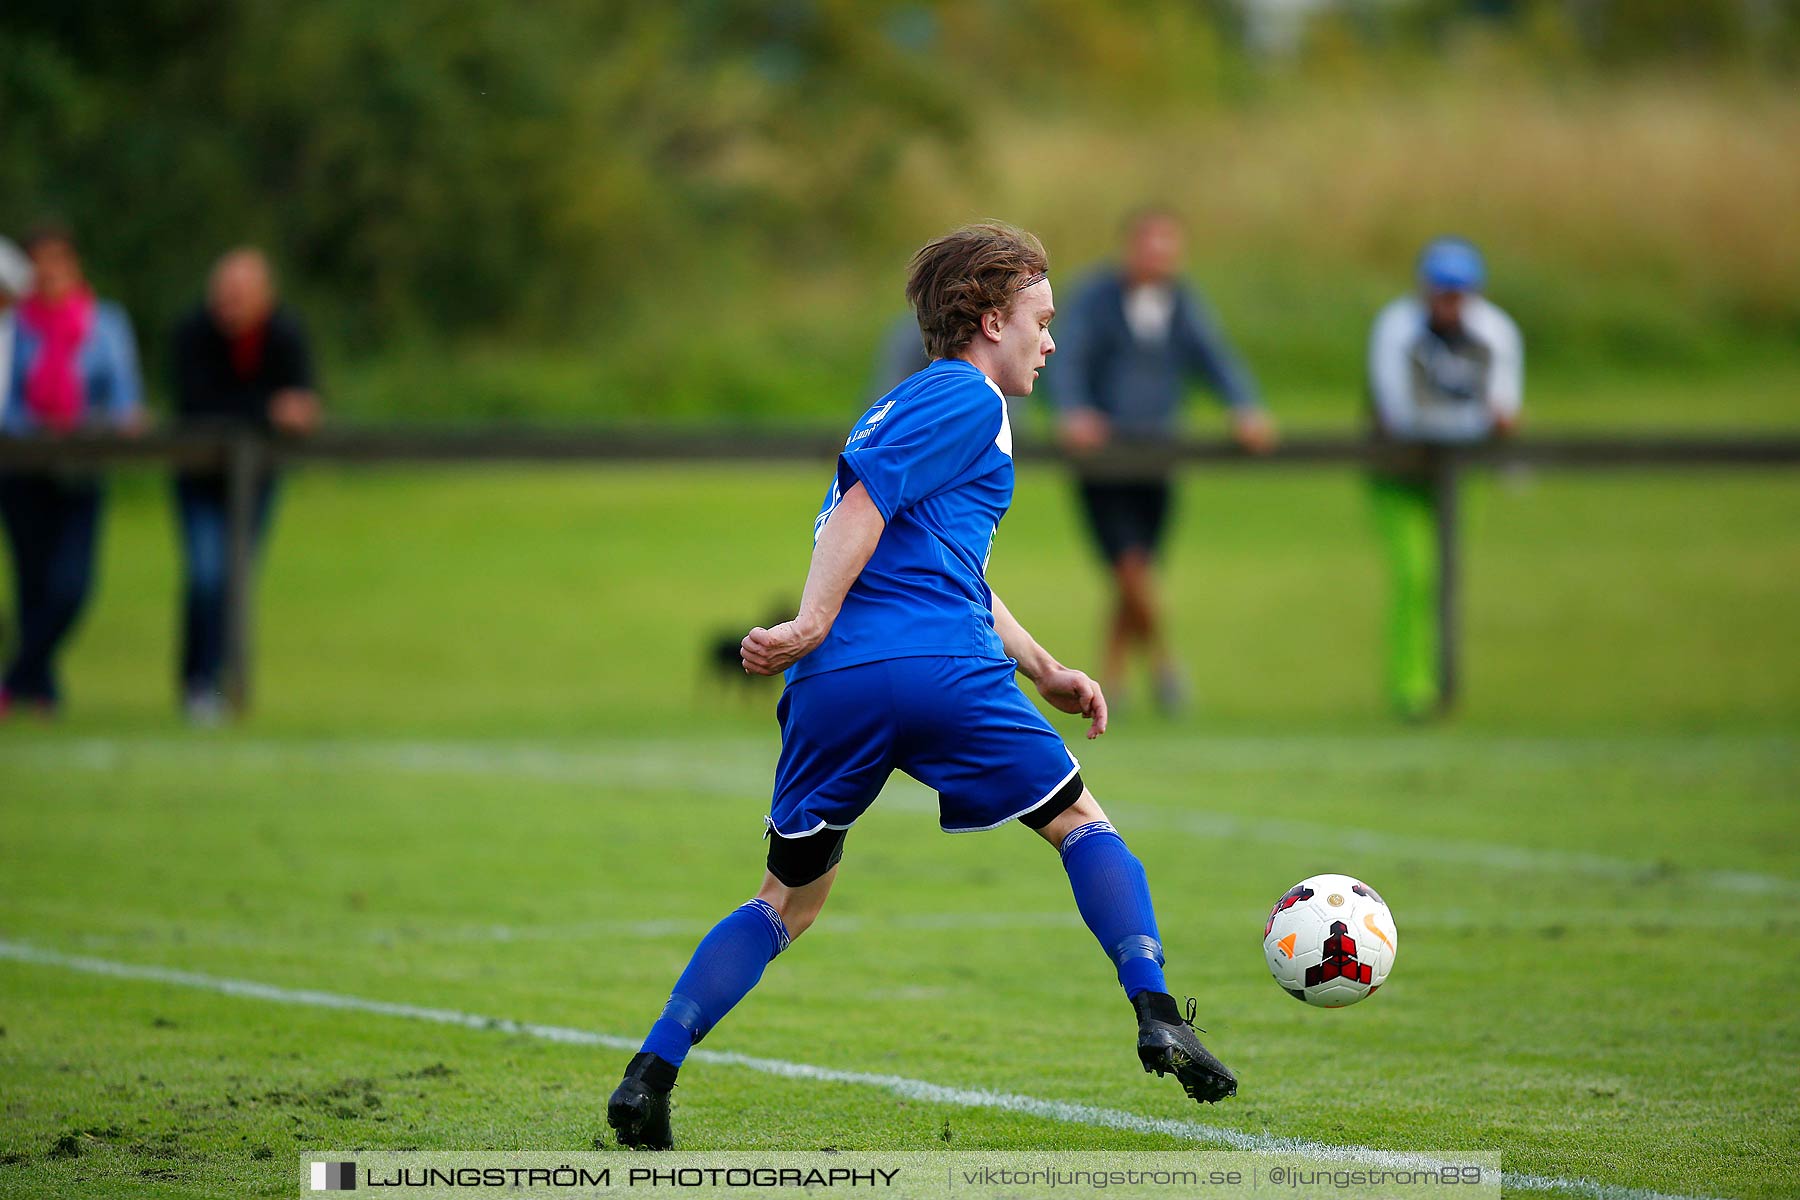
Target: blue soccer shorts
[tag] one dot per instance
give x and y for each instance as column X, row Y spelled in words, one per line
column 959, row 725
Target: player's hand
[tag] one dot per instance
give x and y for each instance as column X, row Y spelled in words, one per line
column 772, row 651
column 1254, row 430
column 1071, row 691
column 1083, row 430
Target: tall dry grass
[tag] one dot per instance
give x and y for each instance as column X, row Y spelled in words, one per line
column 1644, row 234
column 1655, row 216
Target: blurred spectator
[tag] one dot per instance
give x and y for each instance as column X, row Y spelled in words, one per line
column 901, row 356
column 74, row 366
column 241, row 360
column 15, row 283
column 1128, row 342
column 1445, row 367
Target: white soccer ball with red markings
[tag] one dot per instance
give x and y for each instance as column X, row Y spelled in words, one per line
column 1330, row 941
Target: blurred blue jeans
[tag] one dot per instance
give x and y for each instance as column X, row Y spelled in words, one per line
column 204, row 515
column 52, row 525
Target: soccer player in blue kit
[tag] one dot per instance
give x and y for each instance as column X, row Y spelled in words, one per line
column 902, row 657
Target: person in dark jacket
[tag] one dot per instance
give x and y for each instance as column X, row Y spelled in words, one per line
column 241, row 360
column 1130, row 343
column 900, row 356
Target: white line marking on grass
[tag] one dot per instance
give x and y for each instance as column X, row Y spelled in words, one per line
column 947, row 922
column 898, row 1085
column 1455, row 921
column 723, row 768
column 1377, row 753
column 1486, row 855
column 146, row 931
column 950, row 922
column 739, row 767
column 721, row 761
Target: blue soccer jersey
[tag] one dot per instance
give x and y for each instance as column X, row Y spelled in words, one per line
column 935, row 456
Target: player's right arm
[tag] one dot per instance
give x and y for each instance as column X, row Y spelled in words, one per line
column 841, row 551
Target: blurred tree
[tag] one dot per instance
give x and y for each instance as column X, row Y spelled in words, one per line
column 449, row 165
column 1696, row 31
column 559, row 173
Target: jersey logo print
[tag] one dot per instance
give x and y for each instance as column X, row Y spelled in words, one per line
column 875, row 417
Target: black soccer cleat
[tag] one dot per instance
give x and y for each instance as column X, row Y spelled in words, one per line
column 1166, row 1043
column 639, row 1108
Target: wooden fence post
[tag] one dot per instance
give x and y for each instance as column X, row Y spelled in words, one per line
column 243, row 466
column 1444, row 472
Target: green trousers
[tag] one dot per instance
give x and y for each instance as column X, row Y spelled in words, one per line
column 1404, row 516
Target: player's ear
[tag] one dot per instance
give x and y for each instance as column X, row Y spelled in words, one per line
column 992, row 323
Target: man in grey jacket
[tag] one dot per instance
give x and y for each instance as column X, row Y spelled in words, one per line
column 1128, row 347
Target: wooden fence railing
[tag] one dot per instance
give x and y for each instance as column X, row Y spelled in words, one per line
column 242, row 458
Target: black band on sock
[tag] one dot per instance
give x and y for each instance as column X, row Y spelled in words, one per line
column 798, row 861
column 1056, row 805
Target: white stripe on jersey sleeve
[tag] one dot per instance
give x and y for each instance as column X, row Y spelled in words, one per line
column 1003, row 439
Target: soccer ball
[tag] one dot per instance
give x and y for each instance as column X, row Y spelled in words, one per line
column 1330, row 941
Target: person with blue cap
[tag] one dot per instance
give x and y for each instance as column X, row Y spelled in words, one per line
column 1446, row 368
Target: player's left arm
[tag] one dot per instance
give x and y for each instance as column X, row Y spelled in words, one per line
column 1067, row 689
column 1207, row 352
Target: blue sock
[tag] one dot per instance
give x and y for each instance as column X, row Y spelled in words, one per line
column 726, row 966
column 1114, row 898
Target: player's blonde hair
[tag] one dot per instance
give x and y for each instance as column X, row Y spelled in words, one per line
column 967, row 272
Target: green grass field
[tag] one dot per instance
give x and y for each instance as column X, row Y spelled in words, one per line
column 487, row 775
